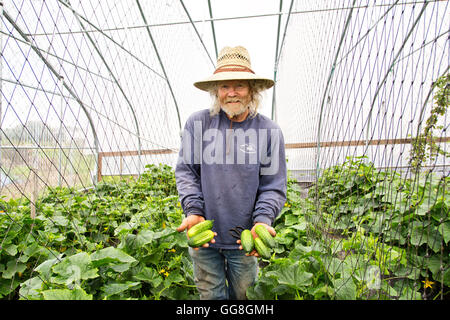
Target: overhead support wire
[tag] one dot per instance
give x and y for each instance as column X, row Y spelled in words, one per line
column 196, row 31
column 160, row 62
column 230, row 18
column 278, row 50
column 212, row 27
column 275, row 68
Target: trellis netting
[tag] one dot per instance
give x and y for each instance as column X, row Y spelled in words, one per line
column 365, row 92
column 94, row 96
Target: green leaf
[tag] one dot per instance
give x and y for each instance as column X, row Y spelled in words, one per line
column 66, row 294
column 33, row 249
column 121, row 267
column 8, row 286
column 423, row 209
column 173, row 277
column 164, row 233
column 74, row 268
column 10, row 249
column 434, row 264
column 149, row 275
column 344, row 288
column 447, row 277
column 429, row 235
column 444, row 230
column 45, row 268
column 109, row 255
column 30, row 289
column 144, row 237
column 300, row 226
column 13, row 267
column 291, row 220
column 260, row 291
column 292, row 275
column 59, row 220
column 114, row 288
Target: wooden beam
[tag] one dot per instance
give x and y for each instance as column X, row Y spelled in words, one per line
column 135, row 152
column 307, row 145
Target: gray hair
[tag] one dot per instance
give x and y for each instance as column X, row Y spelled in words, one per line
column 255, row 90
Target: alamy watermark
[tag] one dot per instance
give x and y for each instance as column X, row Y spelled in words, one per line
column 234, row 146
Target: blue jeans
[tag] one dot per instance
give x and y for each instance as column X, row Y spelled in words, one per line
column 222, row 274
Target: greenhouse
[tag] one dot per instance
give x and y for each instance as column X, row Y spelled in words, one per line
column 95, row 99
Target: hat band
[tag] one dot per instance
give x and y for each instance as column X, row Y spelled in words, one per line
column 233, row 67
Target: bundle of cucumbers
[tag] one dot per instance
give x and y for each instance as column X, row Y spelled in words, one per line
column 200, row 234
column 263, row 243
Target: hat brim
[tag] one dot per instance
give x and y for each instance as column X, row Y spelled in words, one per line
column 232, row 75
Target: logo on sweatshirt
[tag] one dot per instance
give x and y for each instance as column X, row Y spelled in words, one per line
column 232, row 146
column 248, row 148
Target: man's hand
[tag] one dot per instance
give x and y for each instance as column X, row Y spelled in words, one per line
column 269, row 228
column 191, row 221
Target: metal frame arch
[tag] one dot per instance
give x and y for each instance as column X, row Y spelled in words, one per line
column 160, row 62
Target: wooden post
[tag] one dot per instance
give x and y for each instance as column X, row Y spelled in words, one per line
column 34, row 193
column 99, row 166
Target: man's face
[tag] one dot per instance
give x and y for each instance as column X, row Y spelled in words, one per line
column 234, row 96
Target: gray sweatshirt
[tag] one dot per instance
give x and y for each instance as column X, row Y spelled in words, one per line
column 231, row 172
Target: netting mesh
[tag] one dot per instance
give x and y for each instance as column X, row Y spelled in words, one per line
column 96, row 91
column 365, row 78
column 78, row 79
column 363, row 92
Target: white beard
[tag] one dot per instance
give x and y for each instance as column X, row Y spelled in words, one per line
column 233, row 113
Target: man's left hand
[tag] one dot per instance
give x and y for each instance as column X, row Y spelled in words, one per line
column 269, row 228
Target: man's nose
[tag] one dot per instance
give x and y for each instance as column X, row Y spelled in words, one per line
column 232, row 92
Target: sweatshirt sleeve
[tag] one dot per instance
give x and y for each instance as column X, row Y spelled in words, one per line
column 187, row 172
column 272, row 187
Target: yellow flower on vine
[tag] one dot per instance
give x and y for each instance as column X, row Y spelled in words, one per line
column 162, row 271
column 172, row 250
column 166, row 274
column 428, row 284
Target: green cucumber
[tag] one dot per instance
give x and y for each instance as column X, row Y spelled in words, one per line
column 262, row 250
column 247, row 240
column 200, row 227
column 265, row 236
column 201, row 238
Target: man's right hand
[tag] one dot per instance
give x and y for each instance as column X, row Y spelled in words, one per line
column 191, row 221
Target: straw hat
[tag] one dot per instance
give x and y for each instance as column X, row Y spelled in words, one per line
column 233, row 64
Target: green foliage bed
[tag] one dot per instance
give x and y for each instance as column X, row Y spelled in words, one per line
column 115, row 242
column 361, row 234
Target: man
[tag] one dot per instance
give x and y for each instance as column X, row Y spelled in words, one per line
column 231, row 169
